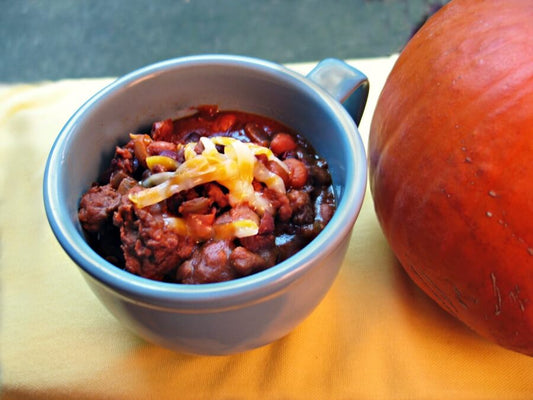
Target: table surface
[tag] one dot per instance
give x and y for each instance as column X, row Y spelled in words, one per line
column 374, row 336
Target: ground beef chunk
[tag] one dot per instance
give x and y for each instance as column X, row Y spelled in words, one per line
column 267, row 224
column 258, row 242
column 217, row 195
column 326, row 213
column 262, row 244
column 265, row 237
column 281, row 204
column 198, row 205
column 150, row 248
column 97, row 206
column 124, row 160
column 242, row 211
column 245, row 262
column 303, row 210
column 162, row 130
column 209, row 263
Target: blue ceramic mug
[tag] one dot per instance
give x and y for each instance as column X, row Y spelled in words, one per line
column 233, row 316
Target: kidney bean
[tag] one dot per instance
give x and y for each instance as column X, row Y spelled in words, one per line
column 224, row 122
column 158, row 147
column 297, row 173
column 282, row 143
column 256, row 134
column 277, row 169
column 171, row 154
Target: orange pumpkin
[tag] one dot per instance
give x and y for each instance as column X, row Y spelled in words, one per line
column 451, row 165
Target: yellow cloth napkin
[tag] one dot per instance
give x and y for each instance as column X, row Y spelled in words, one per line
column 374, row 336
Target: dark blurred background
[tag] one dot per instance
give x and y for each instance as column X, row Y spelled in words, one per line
column 54, row 39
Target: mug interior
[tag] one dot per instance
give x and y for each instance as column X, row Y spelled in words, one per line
column 130, row 104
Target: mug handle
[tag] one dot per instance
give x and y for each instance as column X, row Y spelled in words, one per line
column 346, row 84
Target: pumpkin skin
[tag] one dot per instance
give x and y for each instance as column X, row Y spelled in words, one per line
column 451, row 165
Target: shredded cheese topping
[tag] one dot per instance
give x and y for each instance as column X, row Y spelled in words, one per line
column 228, row 230
column 235, row 168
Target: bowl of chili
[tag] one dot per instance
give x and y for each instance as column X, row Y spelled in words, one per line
column 201, row 235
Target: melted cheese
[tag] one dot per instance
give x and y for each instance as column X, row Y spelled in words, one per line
column 235, row 168
column 229, row 230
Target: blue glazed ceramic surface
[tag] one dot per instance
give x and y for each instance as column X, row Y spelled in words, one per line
column 224, row 317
